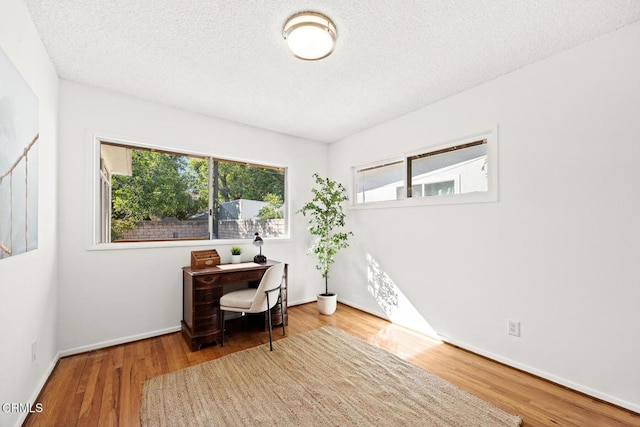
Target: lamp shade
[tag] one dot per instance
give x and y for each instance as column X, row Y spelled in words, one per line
column 258, row 242
column 310, row 35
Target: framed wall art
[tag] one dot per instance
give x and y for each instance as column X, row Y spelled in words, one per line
column 18, row 162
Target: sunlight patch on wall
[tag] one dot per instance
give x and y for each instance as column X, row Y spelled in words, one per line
column 395, row 304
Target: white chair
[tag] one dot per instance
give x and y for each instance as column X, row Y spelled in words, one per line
column 257, row 300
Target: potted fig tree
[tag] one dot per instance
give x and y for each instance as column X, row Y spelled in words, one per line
column 326, row 222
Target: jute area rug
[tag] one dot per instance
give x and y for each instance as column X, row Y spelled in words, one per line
column 324, row 377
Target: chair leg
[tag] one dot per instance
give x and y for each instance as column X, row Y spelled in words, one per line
column 281, row 313
column 223, row 329
column 269, row 316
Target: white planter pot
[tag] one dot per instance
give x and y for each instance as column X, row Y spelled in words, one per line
column 327, row 304
column 235, row 259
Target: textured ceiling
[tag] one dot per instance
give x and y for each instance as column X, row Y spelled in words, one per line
column 227, row 58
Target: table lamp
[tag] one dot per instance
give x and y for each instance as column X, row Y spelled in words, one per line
column 257, row 241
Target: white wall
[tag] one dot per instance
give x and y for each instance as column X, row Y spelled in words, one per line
column 111, row 296
column 28, row 282
column 558, row 251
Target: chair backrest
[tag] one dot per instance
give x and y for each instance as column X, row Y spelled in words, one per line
column 272, row 279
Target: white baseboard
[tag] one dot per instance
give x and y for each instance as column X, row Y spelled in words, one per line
column 509, row 362
column 345, row 302
column 83, row 349
column 514, row 364
column 300, row 302
column 38, row 389
column 365, row 309
column 131, row 338
column 117, row 341
column 546, row 375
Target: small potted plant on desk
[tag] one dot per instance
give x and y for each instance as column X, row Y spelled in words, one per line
column 325, row 217
column 235, row 255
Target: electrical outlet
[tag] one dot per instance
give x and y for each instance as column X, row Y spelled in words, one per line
column 514, row 328
column 34, row 351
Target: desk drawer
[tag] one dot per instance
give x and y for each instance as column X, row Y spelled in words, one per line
column 242, row 276
column 208, row 295
column 206, row 310
column 206, row 281
column 204, row 324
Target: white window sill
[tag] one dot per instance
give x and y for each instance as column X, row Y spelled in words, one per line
column 181, row 244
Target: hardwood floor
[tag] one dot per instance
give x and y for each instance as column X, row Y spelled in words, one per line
column 103, row 387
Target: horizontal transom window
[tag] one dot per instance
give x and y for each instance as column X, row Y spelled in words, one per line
column 439, row 175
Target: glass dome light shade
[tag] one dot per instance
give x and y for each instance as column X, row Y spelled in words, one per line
column 310, row 36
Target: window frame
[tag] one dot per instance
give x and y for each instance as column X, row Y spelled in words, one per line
column 491, row 195
column 97, row 180
column 387, row 162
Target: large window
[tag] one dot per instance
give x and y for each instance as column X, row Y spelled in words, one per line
column 150, row 195
column 438, row 175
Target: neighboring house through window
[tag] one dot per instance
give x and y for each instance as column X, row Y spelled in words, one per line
column 438, row 175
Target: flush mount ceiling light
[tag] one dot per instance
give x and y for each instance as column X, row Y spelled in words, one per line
column 310, row 35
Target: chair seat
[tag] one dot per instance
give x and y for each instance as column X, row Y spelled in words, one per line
column 238, row 300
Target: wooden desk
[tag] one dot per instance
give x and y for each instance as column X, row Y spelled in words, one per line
column 201, row 292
